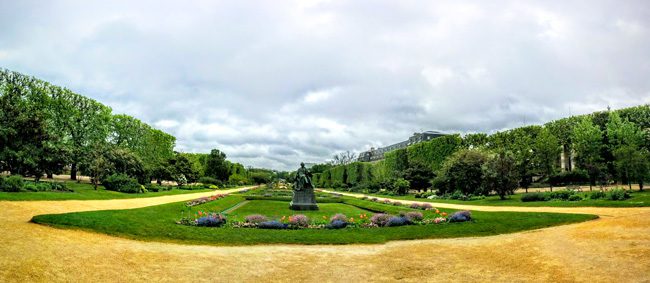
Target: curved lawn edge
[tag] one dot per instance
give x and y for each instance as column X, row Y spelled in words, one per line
column 156, row 223
column 639, row 199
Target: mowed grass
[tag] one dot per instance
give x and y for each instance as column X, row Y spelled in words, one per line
column 637, row 199
column 84, row 191
column 157, row 223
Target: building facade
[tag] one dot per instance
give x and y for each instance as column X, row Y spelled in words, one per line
column 378, row 153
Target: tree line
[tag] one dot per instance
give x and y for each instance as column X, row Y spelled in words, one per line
column 595, row 149
column 46, row 129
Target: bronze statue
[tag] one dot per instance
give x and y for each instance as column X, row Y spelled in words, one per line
column 303, row 191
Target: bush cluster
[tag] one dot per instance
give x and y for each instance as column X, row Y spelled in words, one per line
column 17, row 184
column 461, row 216
column 211, row 220
column 157, row 188
column 123, row 183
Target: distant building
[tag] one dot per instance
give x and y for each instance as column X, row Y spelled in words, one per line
column 378, row 153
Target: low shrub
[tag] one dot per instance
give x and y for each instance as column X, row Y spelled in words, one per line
column 339, row 216
column 31, row 187
column 123, row 183
column 337, row 224
column 211, row 220
column 373, row 199
column 12, row 184
column 157, row 188
column 426, row 206
column 575, row 198
column 380, row 219
column 256, row 218
column 561, row 195
column 414, row 216
column 618, row 194
column 397, row 203
column 203, row 200
column 461, row 216
column 210, row 181
column 415, row 205
column 598, row 195
column 534, row 197
column 274, row 224
column 193, row 187
column 299, row 220
column 395, row 221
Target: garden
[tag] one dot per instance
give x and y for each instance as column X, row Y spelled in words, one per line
column 262, row 216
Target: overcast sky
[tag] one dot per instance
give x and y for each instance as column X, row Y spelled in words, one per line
column 274, row 83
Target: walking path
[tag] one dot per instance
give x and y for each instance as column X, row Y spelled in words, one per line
column 614, row 248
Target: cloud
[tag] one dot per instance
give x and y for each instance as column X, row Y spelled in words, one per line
column 276, row 83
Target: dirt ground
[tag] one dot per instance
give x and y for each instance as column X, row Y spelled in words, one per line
column 614, row 248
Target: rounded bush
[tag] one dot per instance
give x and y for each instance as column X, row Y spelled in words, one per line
column 618, row 194
column 426, row 206
column 395, row 221
column 415, row 205
column 575, row 198
column 461, row 216
column 256, row 218
column 123, row 183
column 299, row 220
column 534, row 197
column 598, row 195
column 13, row 184
column 274, row 224
column 340, row 217
column 414, row 216
column 380, row 219
column 337, row 224
column 213, row 220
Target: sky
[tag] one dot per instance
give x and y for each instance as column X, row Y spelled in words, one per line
column 274, row 83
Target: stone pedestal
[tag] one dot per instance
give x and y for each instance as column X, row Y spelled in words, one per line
column 303, row 200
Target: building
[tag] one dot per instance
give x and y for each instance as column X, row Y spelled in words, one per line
column 378, row 153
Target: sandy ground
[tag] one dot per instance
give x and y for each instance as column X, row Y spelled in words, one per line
column 614, row 248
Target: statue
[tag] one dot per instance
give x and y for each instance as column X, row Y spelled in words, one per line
column 303, row 191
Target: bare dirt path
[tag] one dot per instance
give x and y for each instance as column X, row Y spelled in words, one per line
column 614, row 248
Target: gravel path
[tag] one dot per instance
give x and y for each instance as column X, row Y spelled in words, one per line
column 614, row 248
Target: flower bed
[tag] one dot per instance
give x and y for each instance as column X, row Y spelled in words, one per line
column 203, row 200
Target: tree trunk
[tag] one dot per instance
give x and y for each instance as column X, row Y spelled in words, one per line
column 50, row 175
column 159, row 182
column 73, row 171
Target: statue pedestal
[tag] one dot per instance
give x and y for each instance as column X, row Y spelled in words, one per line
column 303, row 200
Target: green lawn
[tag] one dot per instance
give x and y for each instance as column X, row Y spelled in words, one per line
column 83, row 191
column 637, row 199
column 277, row 209
column 157, row 223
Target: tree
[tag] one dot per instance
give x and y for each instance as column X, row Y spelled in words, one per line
column 547, row 150
column 523, row 151
column 419, row 176
column 344, row 158
column 588, row 144
column 98, row 167
column 180, row 165
column 500, row 174
column 216, row 165
column 462, row 172
column 625, row 142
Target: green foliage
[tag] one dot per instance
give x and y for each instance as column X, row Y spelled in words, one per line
column 588, row 145
column 122, row 183
column 534, row 197
column 216, row 165
column 565, row 178
column 463, row 171
column 396, row 161
column 547, row 151
column 210, row 181
column 500, row 174
column 11, row 184
column 618, row 194
column 431, row 153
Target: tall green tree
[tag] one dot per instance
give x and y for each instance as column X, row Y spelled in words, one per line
column 500, row 174
column 631, row 159
column 547, row 151
column 588, row 145
column 216, row 165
